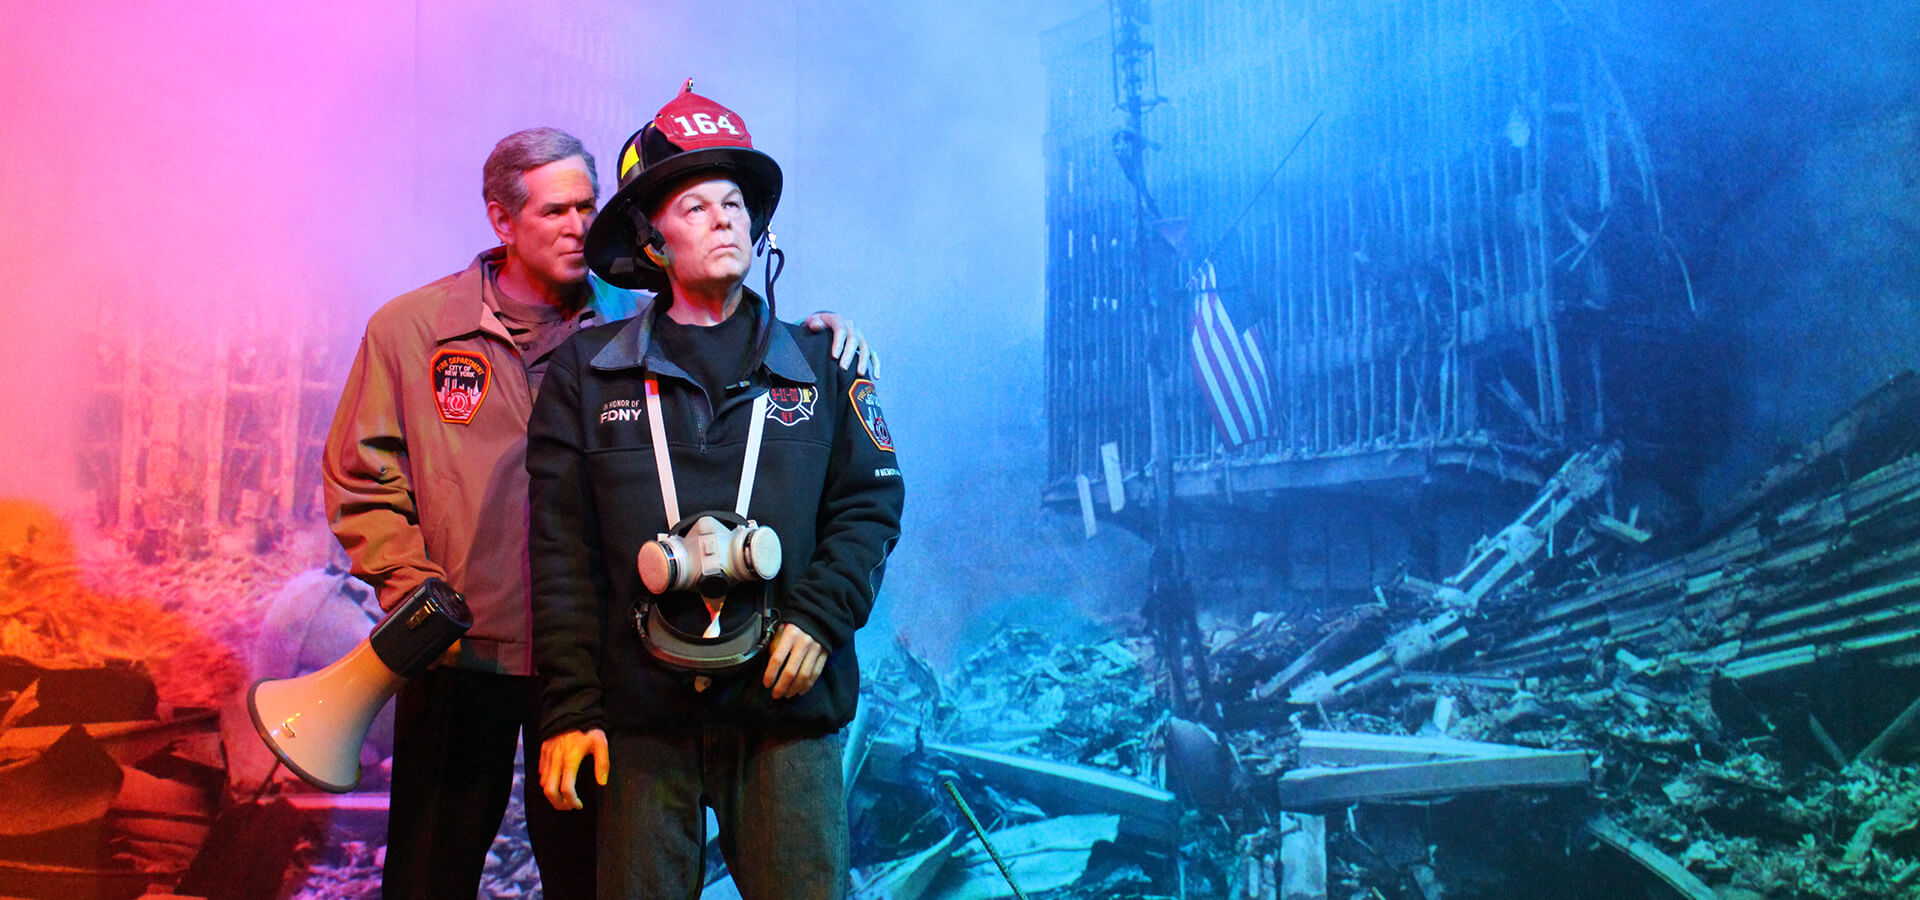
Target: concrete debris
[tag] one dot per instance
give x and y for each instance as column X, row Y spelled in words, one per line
column 1665, row 867
column 1714, row 714
column 1041, row 856
column 908, row 878
column 1303, row 857
column 70, row 783
column 1058, row 753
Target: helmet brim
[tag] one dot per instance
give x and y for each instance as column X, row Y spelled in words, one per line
column 613, row 243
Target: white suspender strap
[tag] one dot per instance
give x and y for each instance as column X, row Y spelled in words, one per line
column 749, row 466
column 661, row 463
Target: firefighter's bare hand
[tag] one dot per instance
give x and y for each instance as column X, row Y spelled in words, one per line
column 560, row 758
column 849, row 345
column 795, row 663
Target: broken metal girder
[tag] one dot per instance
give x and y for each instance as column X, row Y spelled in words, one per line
column 1874, row 595
column 1900, row 730
column 1498, row 561
column 1769, row 663
column 1306, row 661
column 1303, row 788
column 1401, row 649
column 1625, row 531
column 1348, row 768
column 1059, row 788
column 1350, row 748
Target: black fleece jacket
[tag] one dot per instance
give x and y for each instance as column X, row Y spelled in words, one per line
column 828, row 484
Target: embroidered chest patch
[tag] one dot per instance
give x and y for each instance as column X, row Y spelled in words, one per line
column 791, row 405
column 460, row 382
column 866, row 403
column 621, row 411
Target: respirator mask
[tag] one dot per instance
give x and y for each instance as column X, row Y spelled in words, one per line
column 709, row 553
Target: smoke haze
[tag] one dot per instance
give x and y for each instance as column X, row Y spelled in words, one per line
column 179, row 174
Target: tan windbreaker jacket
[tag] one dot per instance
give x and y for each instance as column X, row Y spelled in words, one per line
column 424, row 469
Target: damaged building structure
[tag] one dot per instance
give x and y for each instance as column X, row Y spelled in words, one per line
column 1436, row 604
column 234, row 446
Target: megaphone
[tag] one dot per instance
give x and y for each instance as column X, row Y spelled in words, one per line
column 316, row 723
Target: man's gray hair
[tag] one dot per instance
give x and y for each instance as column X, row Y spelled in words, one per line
column 524, row 150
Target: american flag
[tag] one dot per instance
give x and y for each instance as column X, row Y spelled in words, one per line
column 1228, row 366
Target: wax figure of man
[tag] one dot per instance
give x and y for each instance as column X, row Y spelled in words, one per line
column 696, row 661
column 425, row 477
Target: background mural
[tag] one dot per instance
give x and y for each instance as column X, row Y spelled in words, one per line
column 1553, row 479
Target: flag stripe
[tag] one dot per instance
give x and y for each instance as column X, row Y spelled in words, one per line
column 1218, row 404
column 1228, row 366
column 1227, row 348
column 1259, row 360
column 1220, row 349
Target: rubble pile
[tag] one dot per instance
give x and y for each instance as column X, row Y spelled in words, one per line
column 1826, row 576
column 111, row 671
column 55, row 612
column 1025, row 692
column 115, row 673
column 1051, row 748
column 343, row 859
column 177, row 619
column 1585, row 705
column 340, row 870
column 211, row 604
column 1681, row 670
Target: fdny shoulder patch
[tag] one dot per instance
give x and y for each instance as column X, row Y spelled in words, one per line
column 460, row 382
column 866, row 403
column 791, row 405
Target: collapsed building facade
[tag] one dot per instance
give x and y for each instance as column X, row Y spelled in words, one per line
column 1438, row 221
column 1435, row 606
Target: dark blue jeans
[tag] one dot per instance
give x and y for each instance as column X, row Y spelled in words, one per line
column 777, row 796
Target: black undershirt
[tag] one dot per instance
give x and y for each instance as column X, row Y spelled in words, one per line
column 713, row 355
column 537, row 329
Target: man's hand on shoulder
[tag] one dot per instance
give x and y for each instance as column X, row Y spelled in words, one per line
column 560, row 758
column 849, row 345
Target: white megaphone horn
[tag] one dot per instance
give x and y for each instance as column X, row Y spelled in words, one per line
column 316, row 723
